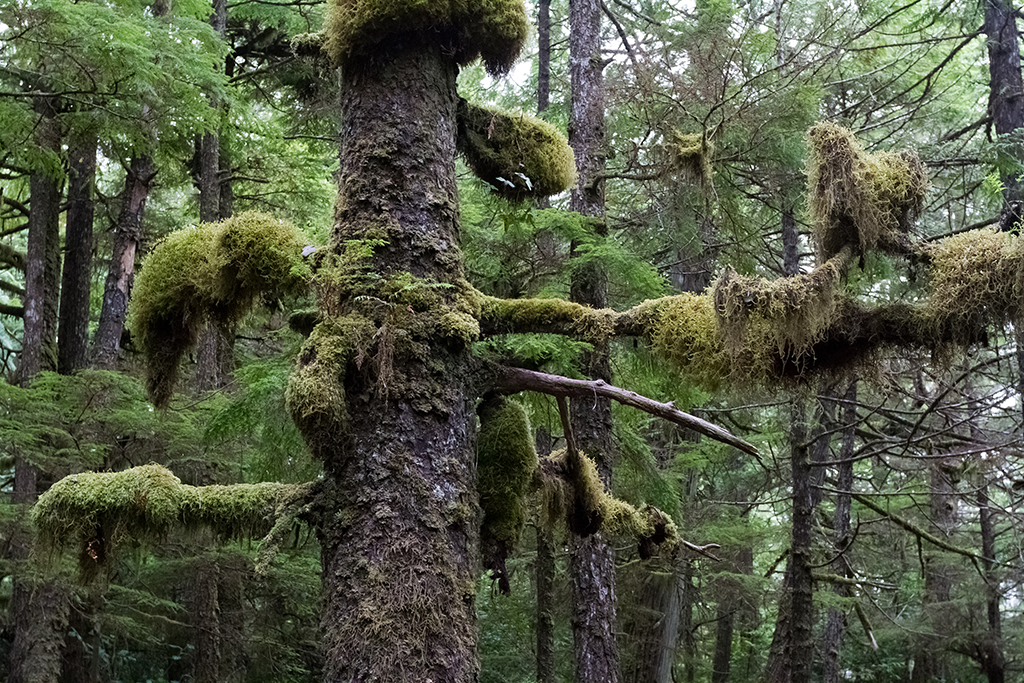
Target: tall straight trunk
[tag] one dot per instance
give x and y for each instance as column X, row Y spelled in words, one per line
column 929, row 654
column 399, row 531
column 591, row 561
column 209, row 143
column 543, row 55
column 993, row 660
column 545, row 579
column 835, row 625
column 205, row 608
column 1006, row 104
column 121, row 273
column 73, row 325
column 42, row 265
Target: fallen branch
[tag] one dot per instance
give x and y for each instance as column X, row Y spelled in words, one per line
column 508, row 380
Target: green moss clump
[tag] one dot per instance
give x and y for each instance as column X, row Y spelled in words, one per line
column 506, row 462
column 795, row 311
column 494, row 30
column 519, row 156
column 101, row 511
column 977, row 279
column 684, row 330
column 211, row 273
column 572, row 491
column 691, row 153
column 548, row 315
column 316, row 392
column 858, row 199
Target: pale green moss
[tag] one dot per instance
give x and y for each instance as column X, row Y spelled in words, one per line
column 691, row 154
column 862, row 200
column 506, row 462
column 493, row 30
column 518, row 155
column 101, row 511
column 211, row 273
column 684, row 330
column 540, row 315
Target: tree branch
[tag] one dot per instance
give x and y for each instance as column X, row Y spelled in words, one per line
column 511, row 380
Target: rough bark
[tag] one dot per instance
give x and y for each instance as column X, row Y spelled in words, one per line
column 802, row 587
column 1006, row 104
column 835, row 625
column 42, row 266
column 543, row 55
column 121, row 273
column 399, row 531
column 209, row 143
column 545, row 578
column 73, row 325
column 205, row 608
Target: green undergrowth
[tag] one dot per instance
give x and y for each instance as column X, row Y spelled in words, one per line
column 494, row 30
column 213, row 273
column 518, row 155
column 506, row 462
column 860, row 199
column 99, row 512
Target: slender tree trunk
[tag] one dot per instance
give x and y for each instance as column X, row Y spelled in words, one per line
column 73, row 326
column 993, row 660
column 1006, row 104
column 205, row 610
column 545, row 578
column 121, row 273
column 543, row 55
column 835, row 626
column 399, row 529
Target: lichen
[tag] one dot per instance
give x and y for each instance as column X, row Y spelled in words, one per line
column 494, row 30
column 977, row 279
column 518, row 155
column 506, row 462
column 691, row 153
column 210, row 273
column 859, row 199
column 101, row 511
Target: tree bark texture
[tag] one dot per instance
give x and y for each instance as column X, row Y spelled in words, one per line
column 121, row 273
column 545, row 579
column 205, row 609
column 73, row 325
column 543, row 55
column 835, row 624
column 400, row 517
column 209, row 143
column 1006, row 104
column 42, row 266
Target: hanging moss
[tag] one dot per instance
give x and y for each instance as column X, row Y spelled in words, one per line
column 858, row 199
column 544, row 315
column 977, row 279
column 519, row 156
column 506, row 462
column 573, row 493
column 100, row 512
column 494, row 30
column 691, row 153
column 214, row 272
column 796, row 310
column 316, row 393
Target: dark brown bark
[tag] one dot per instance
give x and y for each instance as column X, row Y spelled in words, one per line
column 835, row 626
column 209, row 143
column 42, row 266
column 400, row 524
column 990, row 650
column 205, row 608
column 802, row 587
column 121, row 273
column 40, row 612
column 545, row 578
column 73, row 326
column 1006, row 104
column 215, row 357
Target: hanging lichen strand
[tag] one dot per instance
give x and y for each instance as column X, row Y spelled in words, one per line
column 210, row 273
column 858, row 199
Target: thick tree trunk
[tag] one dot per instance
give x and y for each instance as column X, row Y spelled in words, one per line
column 400, row 519
column 1006, row 104
column 73, row 326
column 121, row 273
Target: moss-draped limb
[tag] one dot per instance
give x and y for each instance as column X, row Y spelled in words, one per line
column 506, row 462
column 214, row 272
column 100, row 511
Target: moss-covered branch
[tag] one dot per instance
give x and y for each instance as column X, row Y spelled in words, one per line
column 100, row 511
column 512, row 380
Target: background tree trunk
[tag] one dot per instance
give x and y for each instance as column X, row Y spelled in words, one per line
column 1006, row 104
column 73, row 325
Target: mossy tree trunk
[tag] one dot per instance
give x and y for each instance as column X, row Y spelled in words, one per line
column 400, row 519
